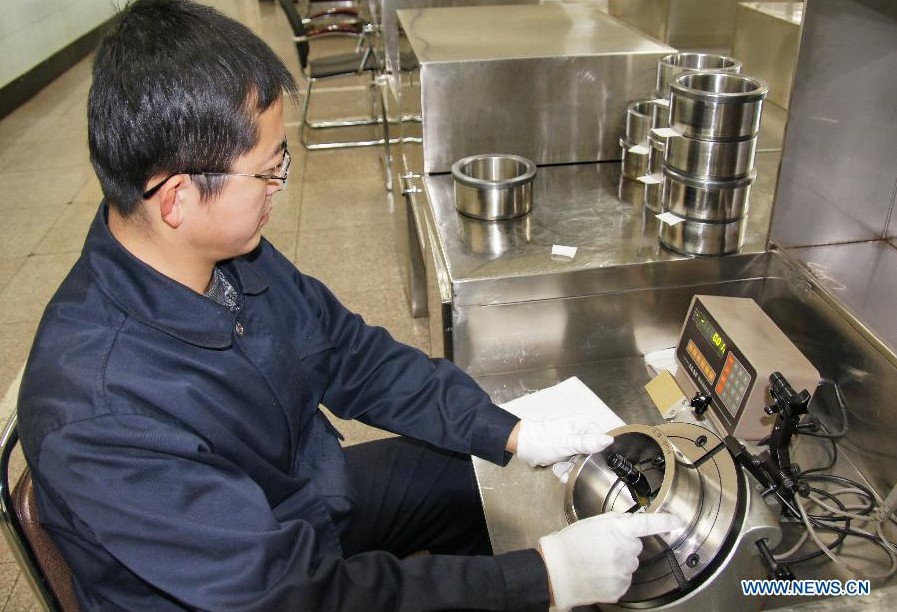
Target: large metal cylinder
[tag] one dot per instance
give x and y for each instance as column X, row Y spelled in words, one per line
column 694, row 479
column 495, row 238
column 635, row 159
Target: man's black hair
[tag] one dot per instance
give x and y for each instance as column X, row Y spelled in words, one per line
column 177, row 87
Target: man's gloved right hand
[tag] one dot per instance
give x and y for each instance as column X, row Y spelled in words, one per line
column 592, row 560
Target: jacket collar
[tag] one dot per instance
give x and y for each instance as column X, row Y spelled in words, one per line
column 158, row 301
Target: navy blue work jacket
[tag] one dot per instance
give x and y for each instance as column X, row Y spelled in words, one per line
column 181, row 460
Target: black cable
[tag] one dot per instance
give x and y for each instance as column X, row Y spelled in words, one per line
column 824, row 521
column 819, row 520
column 827, row 467
column 842, row 404
column 838, row 540
column 861, row 489
column 845, row 531
column 830, row 516
column 842, row 534
column 848, row 532
column 825, row 436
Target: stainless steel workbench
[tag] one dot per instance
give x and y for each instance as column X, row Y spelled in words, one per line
column 767, row 36
column 573, row 205
column 499, row 301
column 550, row 81
column 383, row 12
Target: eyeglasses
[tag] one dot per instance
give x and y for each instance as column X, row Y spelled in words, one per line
column 282, row 174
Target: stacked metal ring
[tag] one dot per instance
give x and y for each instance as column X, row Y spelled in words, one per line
column 709, row 161
column 634, row 146
column 668, row 69
column 635, row 143
column 676, row 64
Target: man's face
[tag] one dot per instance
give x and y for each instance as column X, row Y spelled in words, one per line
column 230, row 224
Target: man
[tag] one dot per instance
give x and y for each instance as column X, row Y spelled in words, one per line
column 169, row 410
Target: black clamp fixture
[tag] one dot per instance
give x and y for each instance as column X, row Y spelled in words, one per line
column 773, row 467
column 790, row 406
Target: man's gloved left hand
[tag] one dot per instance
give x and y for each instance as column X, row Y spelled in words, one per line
column 555, row 440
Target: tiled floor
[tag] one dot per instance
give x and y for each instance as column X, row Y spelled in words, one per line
column 335, row 220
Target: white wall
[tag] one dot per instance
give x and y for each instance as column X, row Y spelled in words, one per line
column 33, row 30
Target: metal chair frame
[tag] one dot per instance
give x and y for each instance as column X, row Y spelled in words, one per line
column 306, row 30
column 337, row 123
column 12, row 527
column 322, row 25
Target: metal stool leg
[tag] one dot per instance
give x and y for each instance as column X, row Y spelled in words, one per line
column 305, row 125
column 387, row 151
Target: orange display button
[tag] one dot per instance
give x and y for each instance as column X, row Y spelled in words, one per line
column 700, row 361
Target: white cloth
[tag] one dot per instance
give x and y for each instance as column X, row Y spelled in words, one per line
column 592, row 560
column 570, row 399
column 566, row 398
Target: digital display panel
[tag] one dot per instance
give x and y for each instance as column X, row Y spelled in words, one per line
column 709, row 331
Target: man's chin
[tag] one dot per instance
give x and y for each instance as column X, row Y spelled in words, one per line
column 251, row 245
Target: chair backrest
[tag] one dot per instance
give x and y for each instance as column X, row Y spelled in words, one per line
column 299, row 31
column 41, row 563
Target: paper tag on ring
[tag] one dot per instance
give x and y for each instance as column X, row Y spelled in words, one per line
column 665, row 132
column 669, row 218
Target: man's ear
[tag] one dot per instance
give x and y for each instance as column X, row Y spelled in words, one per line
column 171, row 200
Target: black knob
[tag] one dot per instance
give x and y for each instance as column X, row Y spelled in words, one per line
column 700, row 402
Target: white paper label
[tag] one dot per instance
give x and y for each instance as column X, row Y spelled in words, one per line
column 563, row 251
column 649, row 179
column 669, row 218
column 665, row 132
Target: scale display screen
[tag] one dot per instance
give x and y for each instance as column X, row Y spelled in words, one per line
column 710, row 332
column 715, row 364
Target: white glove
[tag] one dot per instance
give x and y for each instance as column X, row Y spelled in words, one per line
column 547, row 442
column 592, row 560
